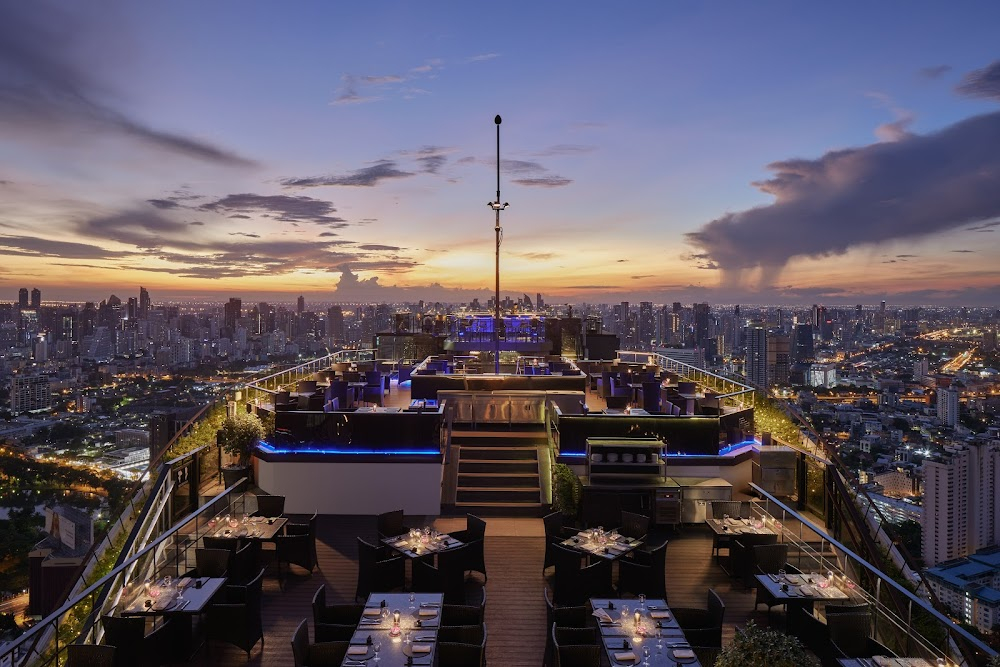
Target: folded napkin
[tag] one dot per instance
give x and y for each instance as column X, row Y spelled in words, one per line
column 421, row 648
column 163, row 602
column 806, row 590
column 372, row 611
column 428, row 612
column 625, row 656
column 617, row 549
column 184, row 583
column 883, row 661
column 659, row 614
column 357, row 650
column 683, row 653
column 603, row 616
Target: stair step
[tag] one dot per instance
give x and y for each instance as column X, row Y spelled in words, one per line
column 495, row 453
column 497, row 466
column 498, row 495
column 490, row 480
column 495, row 509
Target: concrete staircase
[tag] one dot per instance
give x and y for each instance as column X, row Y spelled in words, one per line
column 499, row 472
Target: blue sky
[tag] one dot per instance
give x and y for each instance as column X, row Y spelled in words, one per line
column 347, row 150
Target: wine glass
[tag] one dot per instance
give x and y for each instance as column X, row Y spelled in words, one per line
column 781, row 574
column 645, row 655
column 385, row 614
column 659, row 638
column 624, row 614
column 377, row 646
column 413, row 600
column 642, row 601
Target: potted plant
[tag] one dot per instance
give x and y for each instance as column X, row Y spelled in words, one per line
column 754, row 647
column 238, row 437
column 566, row 491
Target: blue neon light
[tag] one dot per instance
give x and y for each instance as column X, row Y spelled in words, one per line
column 572, row 453
column 271, row 449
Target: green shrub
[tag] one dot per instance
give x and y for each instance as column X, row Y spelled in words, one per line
column 761, row 647
column 566, row 490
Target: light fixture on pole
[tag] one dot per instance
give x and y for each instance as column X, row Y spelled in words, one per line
column 497, row 206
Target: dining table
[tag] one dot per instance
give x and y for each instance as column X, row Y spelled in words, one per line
column 610, row 546
column 634, row 633
column 799, row 592
column 181, row 600
column 256, row 528
column 402, row 628
column 420, row 543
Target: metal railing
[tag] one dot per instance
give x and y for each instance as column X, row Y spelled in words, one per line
column 905, row 622
column 262, row 390
column 171, row 552
column 731, row 394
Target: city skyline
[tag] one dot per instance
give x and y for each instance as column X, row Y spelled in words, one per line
column 724, row 154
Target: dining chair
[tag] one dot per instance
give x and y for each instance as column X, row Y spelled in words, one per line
column 595, row 581
column 333, row 632
column 741, row 557
column 464, row 614
column 376, row 573
column 90, row 655
column 566, row 582
column 656, row 559
column 850, row 634
column 769, row 559
column 462, row 634
column 270, row 506
column 349, row 612
column 553, row 534
column 390, row 524
column 298, row 545
column 574, row 655
column 230, row 544
column 702, row 627
column 474, row 536
column 243, row 564
column 238, row 620
column 634, row 525
column 133, row 647
column 211, row 562
column 321, row 654
column 454, row 654
column 447, row 578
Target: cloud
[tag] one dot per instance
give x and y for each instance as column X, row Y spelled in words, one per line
column 30, row 246
column 963, row 251
column 481, row 57
column 897, row 129
column 376, row 80
column 648, row 275
column 365, row 177
column 197, row 224
column 912, row 188
column 985, row 227
column 982, row 83
column 906, row 256
column 538, row 256
column 286, row 208
column 48, row 92
column 163, row 203
column 544, row 181
column 142, row 228
column 429, row 158
column 935, row 71
column 565, row 149
column 246, row 234
column 348, row 93
column 379, row 246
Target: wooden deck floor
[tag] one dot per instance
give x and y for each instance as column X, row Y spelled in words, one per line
column 515, row 611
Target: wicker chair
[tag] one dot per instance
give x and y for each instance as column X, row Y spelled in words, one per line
column 702, row 627
column 377, row 574
column 769, row 559
column 211, row 562
column 348, row 613
column 595, row 581
column 297, row 546
column 464, row 614
column 567, row 654
column 448, row 578
column 231, row 544
column 322, row 654
column 454, row 654
column 390, row 524
column 333, row 632
column 850, row 634
column 270, row 506
column 578, row 616
column 566, row 582
column 132, row 645
column 553, row 535
column 656, row 559
column 741, row 557
column 634, row 525
column 90, row 655
column 462, row 634
column 474, row 537
column 244, row 564
column 238, row 620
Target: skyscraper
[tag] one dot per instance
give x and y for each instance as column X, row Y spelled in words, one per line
column 144, row 303
column 803, row 343
column 947, row 405
column 756, row 360
column 647, row 324
column 777, row 357
column 36, row 299
column 335, row 324
column 961, row 504
column 702, row 317
column 232, row 312
column 300, row 305
column 22, row 298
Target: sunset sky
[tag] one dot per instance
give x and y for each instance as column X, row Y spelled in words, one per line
column 764, row 152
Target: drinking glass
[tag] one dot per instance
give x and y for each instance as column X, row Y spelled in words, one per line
column 625, row 617
column 377, row 646
column 167, row 581
column 385, row 614
column 413, row 600
column 645, row 655
column 406, row 637
column 642, row 601
column 781, row 574
column 659, row 638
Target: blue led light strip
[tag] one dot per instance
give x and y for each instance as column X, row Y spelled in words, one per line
column 271, row 449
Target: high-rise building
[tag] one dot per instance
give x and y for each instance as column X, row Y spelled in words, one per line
column 647, row 325
column 36, row 299
column 144, row 303
column 803, row 349
column 335, row 324
column 539, row 304
column 778, row 358
column 300, row 305
column 22, row 298
column 756, row 359
column 232, row 312
column 961, row 503
column 702, row 318
column 29, row 393
column 947, row 405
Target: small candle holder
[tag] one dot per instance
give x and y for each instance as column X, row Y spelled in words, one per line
column 395, row 629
